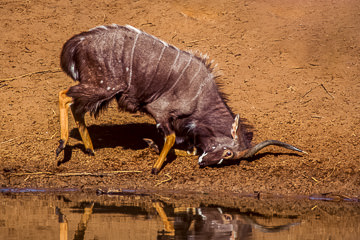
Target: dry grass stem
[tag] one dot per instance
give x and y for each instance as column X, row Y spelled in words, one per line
column 320, row 85
column 29, row 74
column 169, row 178
column 9, row 140
column 315, row 179
column 76, row 173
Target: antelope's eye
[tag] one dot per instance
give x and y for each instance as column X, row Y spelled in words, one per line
column 228, row 154
column 227, row 217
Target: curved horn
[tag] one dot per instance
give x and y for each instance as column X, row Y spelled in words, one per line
column 252, row 151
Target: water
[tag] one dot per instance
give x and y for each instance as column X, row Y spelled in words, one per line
column 30, row 214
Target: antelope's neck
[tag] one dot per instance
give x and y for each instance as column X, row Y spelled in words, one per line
column 217, row 119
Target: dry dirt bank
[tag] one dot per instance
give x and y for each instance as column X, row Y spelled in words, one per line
column 292, row 69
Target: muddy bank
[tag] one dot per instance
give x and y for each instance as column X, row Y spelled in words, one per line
column 290, row 69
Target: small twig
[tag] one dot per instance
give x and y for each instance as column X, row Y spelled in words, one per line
column 147, row 23
column 95, row 174
column 306, row 101
column 309, row 91
column 322, row 85
column 26, row 178
column 29, row 74
column 9, row 140
column 322, row 210
column 53, row 135
column 164, row 181
column 314, row 65
column 75, row 173
column 194, row 42
column 315, row 180
column 33, row 173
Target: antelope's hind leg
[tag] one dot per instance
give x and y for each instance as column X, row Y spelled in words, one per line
column 84, row 133
column 169, row 226
column 169, row 143
column 64, row 103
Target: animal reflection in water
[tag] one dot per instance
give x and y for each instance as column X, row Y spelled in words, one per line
column 80, row 232
column 192, row 223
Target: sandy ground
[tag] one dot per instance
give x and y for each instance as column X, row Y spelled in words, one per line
column 291, row 69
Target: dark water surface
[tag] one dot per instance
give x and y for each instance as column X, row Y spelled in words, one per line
column 39, row 214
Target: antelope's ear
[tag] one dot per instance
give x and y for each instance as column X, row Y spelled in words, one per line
column 235, row 127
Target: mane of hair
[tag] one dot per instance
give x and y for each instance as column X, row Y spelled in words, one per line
column 212, row 68
column 204, row 58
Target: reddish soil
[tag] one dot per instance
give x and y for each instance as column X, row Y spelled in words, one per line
column 290, row 68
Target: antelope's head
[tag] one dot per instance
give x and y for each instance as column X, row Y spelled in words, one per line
column 236, row 147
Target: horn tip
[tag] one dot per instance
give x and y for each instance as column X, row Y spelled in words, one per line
column 296, row 149
column 299, row 150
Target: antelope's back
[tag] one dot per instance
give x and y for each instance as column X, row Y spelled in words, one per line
column 108, row 60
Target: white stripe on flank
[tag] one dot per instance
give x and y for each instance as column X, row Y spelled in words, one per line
column 157, row 65
column 177, row 56
column 200, row 65
column 131, row 59
column 160, row 57
column 187, row 65
column 206, row 80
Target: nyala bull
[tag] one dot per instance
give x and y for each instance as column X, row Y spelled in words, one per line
column 143, row 73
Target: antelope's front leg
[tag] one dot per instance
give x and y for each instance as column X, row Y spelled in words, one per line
column 64, row 102
column 169, row 226
column 82, row 226
column 169, row 143
column 84, row 133
column 64, row 225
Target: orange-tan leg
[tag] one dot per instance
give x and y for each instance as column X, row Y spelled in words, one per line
column 64, row 231
column 82, row 226
column 84, row 133
column 64, row 103
column 169, row 226
column 63, row 225
column 169, row 143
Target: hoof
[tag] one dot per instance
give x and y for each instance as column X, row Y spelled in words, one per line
column 61, row 147
column 155, row 171
column 90, row 152
column 202, row 165
column 152, row 145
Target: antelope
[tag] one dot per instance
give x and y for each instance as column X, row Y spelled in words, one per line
column 142, row 73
